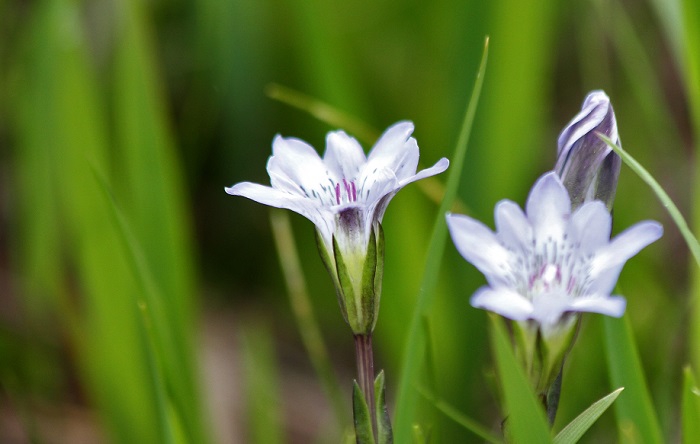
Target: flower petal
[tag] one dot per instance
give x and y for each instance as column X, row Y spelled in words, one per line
column 440, row 166
column 590, row 225
column 396, row 151
column 503, row 301
column 607, row 305
column 513, row 228
column 344, row 155
column 294, row 161
column 625, row 245
column 548, row 206
column 308, row 208
column 548, row 308
column 594, row 110
column 479, row 246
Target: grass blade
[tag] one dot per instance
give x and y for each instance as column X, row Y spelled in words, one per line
column 635, row 413
column 525, row 420
column 672, row 209
column 580, row 425
column 415, row 344
column 303, row 312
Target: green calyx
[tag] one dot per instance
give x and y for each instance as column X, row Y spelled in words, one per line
column 542, row 356
column 357, row 275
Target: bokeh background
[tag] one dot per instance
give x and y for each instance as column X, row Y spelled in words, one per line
column 138, row 300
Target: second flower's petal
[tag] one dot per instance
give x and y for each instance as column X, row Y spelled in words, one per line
column 479, row 246
column 625, row 245
column 548, row 206
column 512, row 226
column 607, row 305
column 504, row 302
column 591, row 225
column 344, row 155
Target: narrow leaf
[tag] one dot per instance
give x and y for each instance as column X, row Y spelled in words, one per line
column 635, row 412
column 361, row 416
column 383, row 421
column 406, row 398
column 525, row 420
column 150, row 325
column 672, row 209
column 580, row 425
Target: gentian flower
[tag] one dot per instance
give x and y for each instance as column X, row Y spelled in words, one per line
column 546, row 265
column 345, row 195
column 587, row 166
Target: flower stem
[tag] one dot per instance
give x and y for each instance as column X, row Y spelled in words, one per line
column 365, row 374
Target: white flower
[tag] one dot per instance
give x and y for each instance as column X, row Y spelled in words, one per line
column 345, row 195
column 549, row 262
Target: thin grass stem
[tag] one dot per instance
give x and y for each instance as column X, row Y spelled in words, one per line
column 303, row 312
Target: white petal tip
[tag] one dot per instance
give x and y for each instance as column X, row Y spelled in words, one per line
column 442, row 164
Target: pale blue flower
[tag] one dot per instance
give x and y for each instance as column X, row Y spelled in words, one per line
column 345, row 194
column 549, row 262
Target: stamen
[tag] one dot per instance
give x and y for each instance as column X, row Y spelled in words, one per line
column 347, row 188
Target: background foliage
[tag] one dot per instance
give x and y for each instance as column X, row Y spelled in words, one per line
column 140, row 303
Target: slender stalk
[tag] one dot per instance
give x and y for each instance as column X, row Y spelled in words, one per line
column 365, row 375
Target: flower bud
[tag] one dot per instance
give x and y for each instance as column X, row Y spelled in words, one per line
column 587, row 166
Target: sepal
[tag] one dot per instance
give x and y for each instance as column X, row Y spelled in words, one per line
column 361, row 417
column 357, row 276
column 384, row 432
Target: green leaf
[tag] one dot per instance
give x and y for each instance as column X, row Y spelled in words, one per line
column 148, row 302
column 64, row 117
column 691, row 408
column 414, row 349
column 383, row 420
column 525, row 420
column 361, row 416
column 580, row 425
column 636, row 418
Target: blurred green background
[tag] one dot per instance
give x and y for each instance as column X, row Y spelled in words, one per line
column 140, row 303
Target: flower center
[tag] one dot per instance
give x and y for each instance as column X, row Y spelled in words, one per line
column 552, row 267
column 345, row 192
